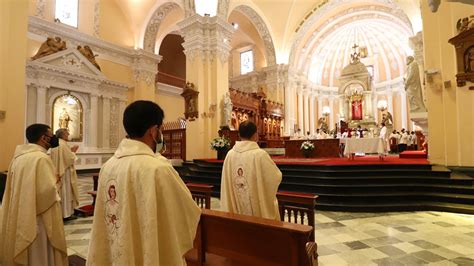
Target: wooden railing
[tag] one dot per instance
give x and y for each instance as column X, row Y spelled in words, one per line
column 294, row 205
column 201, row 193
column 170, row 80
column 174, row 134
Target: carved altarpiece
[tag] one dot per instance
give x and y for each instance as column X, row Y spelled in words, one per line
column 464, row 44
column 190, row 95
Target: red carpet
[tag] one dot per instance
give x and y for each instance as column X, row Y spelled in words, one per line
column 413, row 155
column 365, row 160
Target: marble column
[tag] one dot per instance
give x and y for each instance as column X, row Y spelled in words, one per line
column 320, row 109
column 306, row 113
column 300, row 111
column 332, row 114
column 94, row 116
column 41, row 92
column 122, row 106
column 312, row 116
column 106, row 122
column 390, row 102
column 404, row 111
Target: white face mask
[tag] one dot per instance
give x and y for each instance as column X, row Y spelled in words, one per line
column 160, row 143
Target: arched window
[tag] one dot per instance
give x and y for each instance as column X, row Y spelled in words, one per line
column 246, row 62
column 66, row 12
column 67, row 113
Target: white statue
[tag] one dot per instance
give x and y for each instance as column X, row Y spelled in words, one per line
column 227, row 110
column 413, row 86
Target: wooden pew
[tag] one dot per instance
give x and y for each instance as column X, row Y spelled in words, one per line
column 201, row 194
column 297, row 205
column 232, row 239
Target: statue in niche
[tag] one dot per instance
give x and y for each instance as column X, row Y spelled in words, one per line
column 64, row 119
column 387, row 119
column 413, row 86
column 469, row 60
column 228, row 110
column 50, row 46
column 323, row 125
column 87, row 52
column 190, row 96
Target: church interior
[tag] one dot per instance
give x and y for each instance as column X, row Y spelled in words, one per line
column 365, row 106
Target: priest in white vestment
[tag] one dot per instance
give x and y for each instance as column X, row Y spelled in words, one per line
column 250, row 178
column 144, row 213
column 64, row 158
column 32, row 231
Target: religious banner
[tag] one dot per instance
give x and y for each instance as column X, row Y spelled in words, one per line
column 357, row 110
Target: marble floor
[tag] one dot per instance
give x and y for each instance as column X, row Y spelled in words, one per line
column 398, row 238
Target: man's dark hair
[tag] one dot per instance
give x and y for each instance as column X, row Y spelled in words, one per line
column 139, row 116
column 247, row 129
column 383, row 124
column 35, row 131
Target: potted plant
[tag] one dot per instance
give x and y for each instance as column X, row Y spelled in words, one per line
column 307, row 148
column 221, row 145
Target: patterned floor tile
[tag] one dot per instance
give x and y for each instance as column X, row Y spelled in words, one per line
column 391, row 250
column 428, row 256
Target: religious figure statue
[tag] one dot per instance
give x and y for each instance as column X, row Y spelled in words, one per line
column 64, row 119
column 228, row 110
column 50, row 46
column 323, row 125
column 387, row 119
column 469, row 60
column 413, row 86
column 87, row 52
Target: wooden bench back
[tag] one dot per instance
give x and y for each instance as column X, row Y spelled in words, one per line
column 251, row 240
column 297, row 207
column 201, row 194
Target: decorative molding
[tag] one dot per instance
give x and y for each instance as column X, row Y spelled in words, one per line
column 262, row 29
column 166, row 89
column 106, row 50
column 40, row 5
column 149, row 40
column 97, row 18
column 145, row 66
column 223, row 8
column 208, row 37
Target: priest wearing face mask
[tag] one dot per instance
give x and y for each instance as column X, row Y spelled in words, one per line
column 64, row 158
column 32, row 231
column 144, row 213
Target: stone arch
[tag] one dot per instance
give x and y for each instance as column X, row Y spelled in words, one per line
column 151, row 31
column 318, row 14
column 262, row 29
column 222, row 8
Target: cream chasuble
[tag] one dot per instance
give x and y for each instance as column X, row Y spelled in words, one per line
column 63, row 160
column 144, row 213
column 250, row 181
column 31, row 221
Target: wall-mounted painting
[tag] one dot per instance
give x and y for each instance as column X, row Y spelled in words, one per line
column 68, row 113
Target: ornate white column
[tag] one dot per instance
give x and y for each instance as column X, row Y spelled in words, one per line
column 94, row 116
column 122, row 106
column 144, row 71
column 300, row 111
column 306, row 112
column 106, row 122
column 332, row 114
column 320, row 108
column 404, row 111
column 41, row 92
column 342, row 115
column 289, row 108
column 312, row 117
column 390, row 102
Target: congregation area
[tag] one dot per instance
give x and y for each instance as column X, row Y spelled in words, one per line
column 236, row 132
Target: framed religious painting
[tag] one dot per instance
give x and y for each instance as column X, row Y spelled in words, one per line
column 68, row 114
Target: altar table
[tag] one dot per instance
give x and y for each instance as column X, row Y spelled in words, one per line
column 364, row 145
column 323, row 148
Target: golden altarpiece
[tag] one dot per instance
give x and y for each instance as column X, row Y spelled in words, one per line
column 356, row 95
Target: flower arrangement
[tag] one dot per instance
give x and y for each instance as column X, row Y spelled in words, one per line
column 220, row 143
column 307, row 148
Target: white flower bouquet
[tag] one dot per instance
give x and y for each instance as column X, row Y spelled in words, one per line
column 307, row 146
column 220, row 143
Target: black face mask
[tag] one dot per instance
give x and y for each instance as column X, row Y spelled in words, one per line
column 54, row 142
